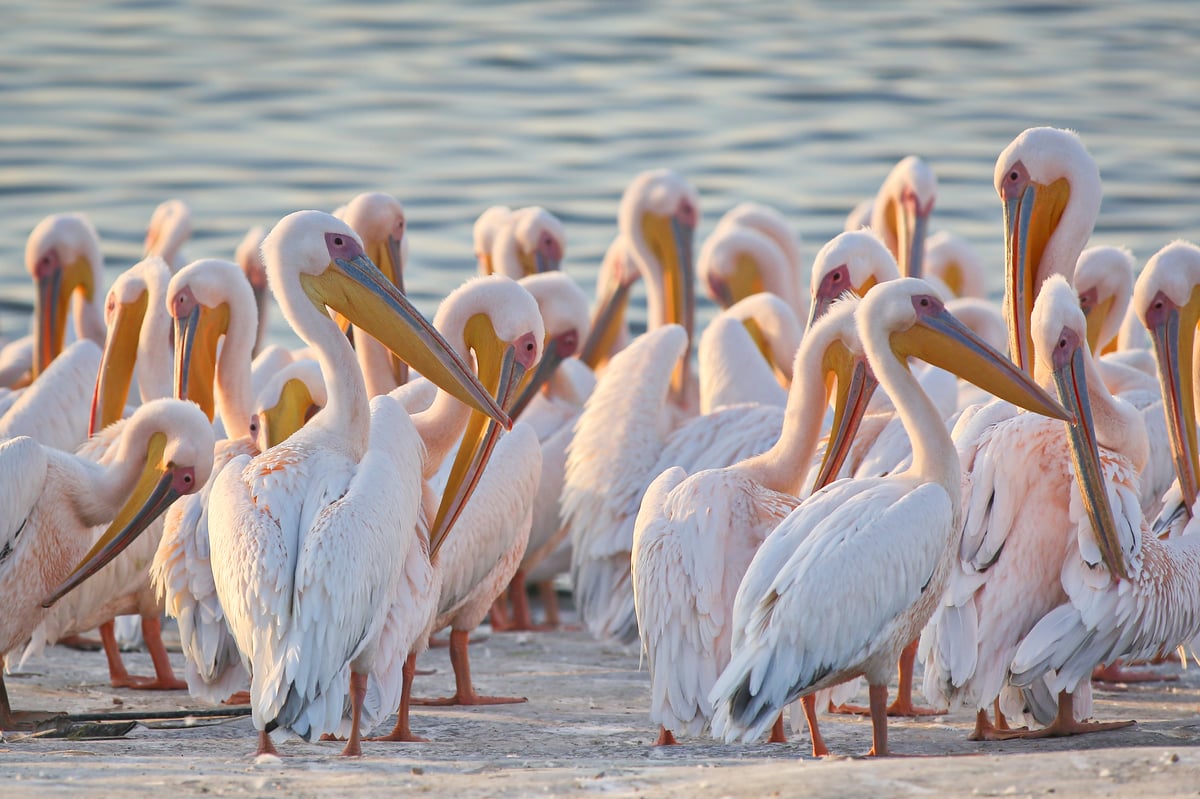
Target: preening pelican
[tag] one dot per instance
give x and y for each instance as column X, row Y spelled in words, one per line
column 771, row 223
column 851, row 576
column 530, row 241
column 609, row 328
column 289, row 399
column 308, row 538
column 900, row 214
column 761, row 324
column 53, row 499
column 695, row 535
column 484, row 234
column 736, row 262
column 952, row 260
column 169, row 229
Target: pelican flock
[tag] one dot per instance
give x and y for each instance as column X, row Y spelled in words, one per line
column 831, row 477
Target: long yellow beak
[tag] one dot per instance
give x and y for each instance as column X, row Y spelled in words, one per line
column 1030, row 218
column 940, row 339
column 1069, row 378
column 854, row 383
column 909, row 226
column 783, row 372
column 1173, row 331
column 501, row 371
column 55, row 288
column 356, row 288
column 1096, row 314
column 198, row 331
column 670, row 240
column 159, row 486
column 556, row 350
column 744, row 281
column 606, row 322
column 294, row 407
column 115, row 376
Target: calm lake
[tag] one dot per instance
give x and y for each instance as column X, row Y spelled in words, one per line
column 250, row 113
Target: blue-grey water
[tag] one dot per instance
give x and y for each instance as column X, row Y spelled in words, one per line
column 249, row 113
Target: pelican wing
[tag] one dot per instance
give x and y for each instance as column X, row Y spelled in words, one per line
column 22, row 478
column 53, row 410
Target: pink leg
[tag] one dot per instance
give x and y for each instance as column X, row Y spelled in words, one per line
column 401, row 732
column 464, row 691
column 665, row 737
column 358, row 692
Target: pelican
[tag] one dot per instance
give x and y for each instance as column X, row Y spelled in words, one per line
column 728, row 369
column 853, row 261
column 249, row 257
column 484, row 234
column 952, row 260
column 900, row 214
column 54, row 498
column 695, row 535
column 293, row 396
column 379, row 221
column 169, row 229
column 213, row 309
column 308, row 538
column 771, row 223
column 531, row 241
column 138, row 333
column 736, row 262
column 609, row 329
column 850, row 577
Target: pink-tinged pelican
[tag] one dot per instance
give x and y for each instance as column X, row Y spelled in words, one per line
column 484, row 234
column 609, row 327
column 53, row 499
column 213, row 310
column 849, row 578
column 900, row 215
column 952, row 260
column 730, row 373
column 289, row 399
column 531, row 241
column 308, row 539
column 736, row 262
column 849, row 262
column 169, row 229
column 771, row 223
column 695, row 535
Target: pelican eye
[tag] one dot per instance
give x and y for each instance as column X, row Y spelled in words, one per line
column 338, row 241
column 187, row 479
column 1014, row 176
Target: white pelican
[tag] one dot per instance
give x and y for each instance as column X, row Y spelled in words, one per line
column 249, row 257
column 695, row 535
column 53, row 499
column 138, row 333
column 308, row 538
column 530, row 241
column 1020, row 525
column 290, row 398
column 850, row 577
column 1141, row 601
column 953, row 261
column 761, row 324
column 771, row 223
column 900, row 214
column 736, row 262
column 169, row 229
column 484, row 234
column 853, row 261
column 213, row 308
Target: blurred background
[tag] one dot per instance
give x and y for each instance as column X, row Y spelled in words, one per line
column 251, row 113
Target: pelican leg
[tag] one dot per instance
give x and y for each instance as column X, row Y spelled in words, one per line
column 24, row 720
column 358, row 692
column 1116, row 673
column 265, row 745
column 518, row 600
column 986, row 731
column 1064, row 723
column 879, row 717
column 809, row 703
column 464, row 691
column 903, row 706
column 118, row 675
column 665, row 737
column 401, row 732
column 501, row 621
column 778, row 734
column 549, row 602
column 164, row 675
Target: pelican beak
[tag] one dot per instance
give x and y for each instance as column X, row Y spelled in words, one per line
column 783, row 373
column 911, row 225
column 55, row 288
column 606, row 321
column 1173, row 330
column 386, row 254
column 952, row 276
column 1096, row 314
column 372, row 303
column 557, row 349
column 940, row 339
column 1070, row 379
column 485, row 263
column 294, row 407
column 501, row 370
column 1030, row 218
column 746, row 280
column 156, row 489
column 198, row 331
column 115, row 376
column 827, row 292
column 670, row 239
column 855, row 383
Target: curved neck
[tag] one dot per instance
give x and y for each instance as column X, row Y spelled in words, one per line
column 89, row 321
column 375, row 361
column 101, row 488
column 440, row 426
column 234, row 393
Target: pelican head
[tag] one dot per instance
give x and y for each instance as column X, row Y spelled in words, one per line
column 1050, row 187
column 658, row 217
column 379, row 221
column 539, row 240
column 290, row 398
column 1060, row 335
column 617, row 275
column 498, row 321
column 1167, row 300
column 955, row 262
column 170, row 227
column 774, row 225
column 484, row 234
column 736, row 262
column 900, row 214
column 916, row 323
column 138, row 329
column 564, row 309
column 210, row 300
column 1104, row 281
column 174, row 442
column 62, row 255
column 315, row 258
column 850, row 262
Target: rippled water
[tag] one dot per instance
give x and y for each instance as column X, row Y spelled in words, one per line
column 250, row 113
